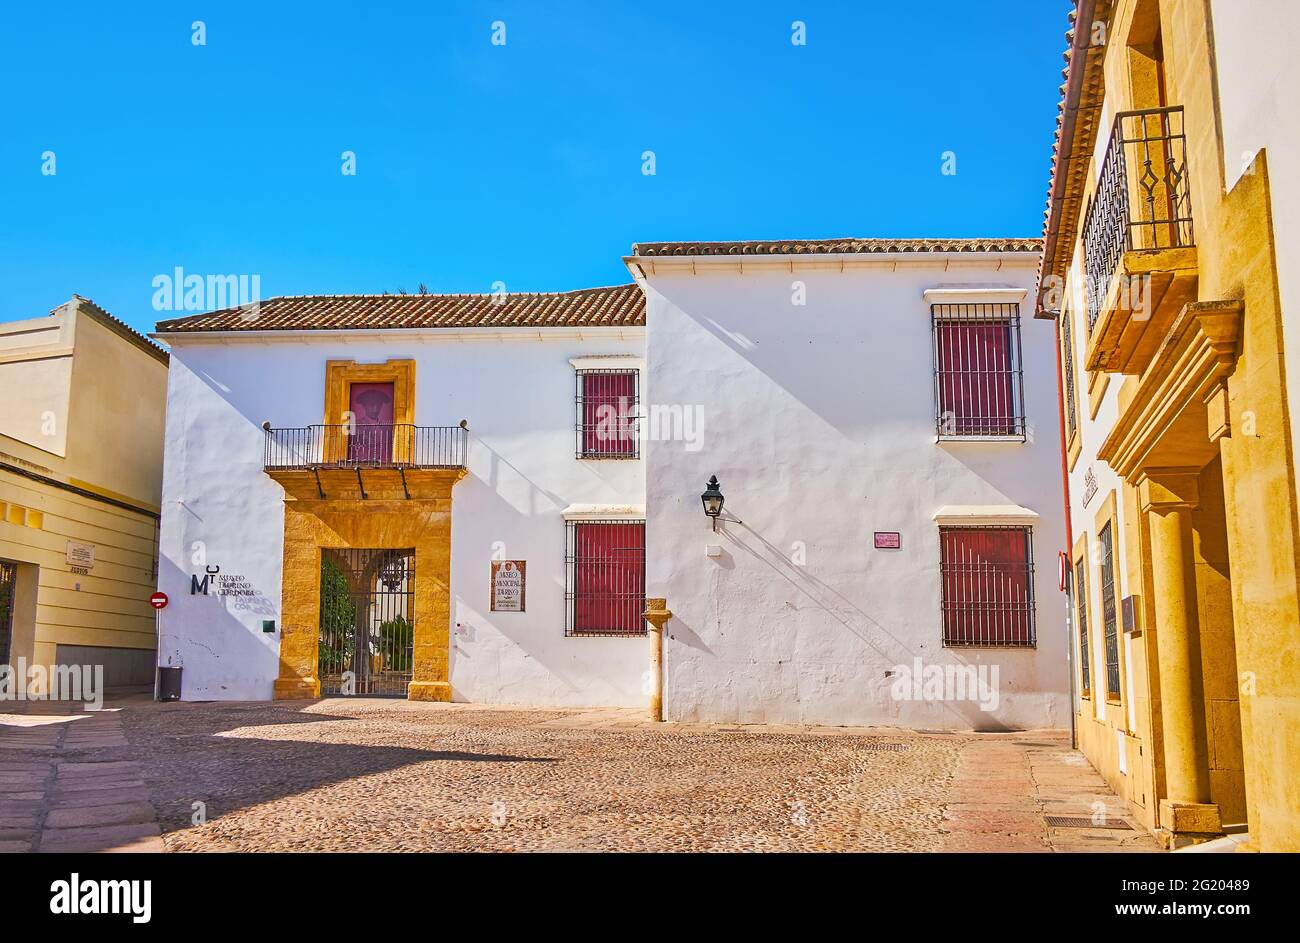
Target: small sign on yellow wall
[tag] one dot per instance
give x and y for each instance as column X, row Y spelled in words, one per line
column 81, row 554
column 508, row 585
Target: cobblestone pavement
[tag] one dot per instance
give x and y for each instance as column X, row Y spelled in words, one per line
column 359, row 774
column 67, row 784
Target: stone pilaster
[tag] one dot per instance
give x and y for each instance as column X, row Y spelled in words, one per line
column 1167, row 498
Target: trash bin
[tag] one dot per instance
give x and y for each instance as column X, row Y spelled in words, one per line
column 169, row 682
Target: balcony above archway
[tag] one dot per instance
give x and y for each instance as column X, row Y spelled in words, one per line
column 362, row 462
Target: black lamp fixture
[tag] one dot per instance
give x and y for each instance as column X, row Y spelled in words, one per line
column 712, row 500
column 393, row 572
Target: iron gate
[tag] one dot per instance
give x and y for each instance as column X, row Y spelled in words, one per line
column 367, row 621
column 8, row 579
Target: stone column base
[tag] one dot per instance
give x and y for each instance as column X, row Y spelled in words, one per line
column 296, row 689
column 429, row 691
column 1188, row 823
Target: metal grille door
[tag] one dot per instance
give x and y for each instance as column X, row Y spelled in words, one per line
column 367, row 621
column 8, row 580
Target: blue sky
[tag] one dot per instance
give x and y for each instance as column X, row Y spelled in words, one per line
column 519, row 163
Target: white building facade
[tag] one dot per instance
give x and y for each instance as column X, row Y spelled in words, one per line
column 460, row 499
column 884, row 425
column 510, row 371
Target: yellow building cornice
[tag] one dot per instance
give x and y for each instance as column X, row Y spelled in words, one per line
column 1167, row 424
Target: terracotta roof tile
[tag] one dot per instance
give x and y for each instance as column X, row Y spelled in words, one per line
column 619, row 306
column 1078, row 114
column 834, row 246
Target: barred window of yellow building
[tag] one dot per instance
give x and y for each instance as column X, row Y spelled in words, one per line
column 1108, row 611
column 1081, row 609
column 1067, row 346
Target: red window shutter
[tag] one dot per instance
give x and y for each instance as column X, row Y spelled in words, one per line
column 987, row 597
column 608, row 406
column 975, row 377
column 609, row 578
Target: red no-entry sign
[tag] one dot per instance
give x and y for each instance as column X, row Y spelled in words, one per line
column 158, row 600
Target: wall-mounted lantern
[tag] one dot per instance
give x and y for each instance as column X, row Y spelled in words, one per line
column 712, row 500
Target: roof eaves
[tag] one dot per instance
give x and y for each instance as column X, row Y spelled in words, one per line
column 1074, row 139
column 120, row 328
column 837, row 247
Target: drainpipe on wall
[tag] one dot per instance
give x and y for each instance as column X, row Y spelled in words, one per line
column 657, row 613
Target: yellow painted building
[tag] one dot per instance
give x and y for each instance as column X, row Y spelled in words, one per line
column 81, row 434
column 1161, row 266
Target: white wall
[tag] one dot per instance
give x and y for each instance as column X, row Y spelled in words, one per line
column 518, row 396
column 819, row 422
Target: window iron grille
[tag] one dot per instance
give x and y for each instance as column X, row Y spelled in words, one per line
column 1081, row 606
column 978, row 376
column 1067, row 367
column 1108, row 611
column 604, row 578
column 987, row 575
column 607, row 410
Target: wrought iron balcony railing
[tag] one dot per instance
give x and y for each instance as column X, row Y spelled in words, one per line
column 366, row 446
column 1143, row 198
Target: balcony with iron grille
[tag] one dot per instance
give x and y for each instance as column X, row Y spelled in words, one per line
column 359, row 461
column 1139, row 246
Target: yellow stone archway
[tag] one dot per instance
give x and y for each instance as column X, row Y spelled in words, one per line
column 384, row 519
